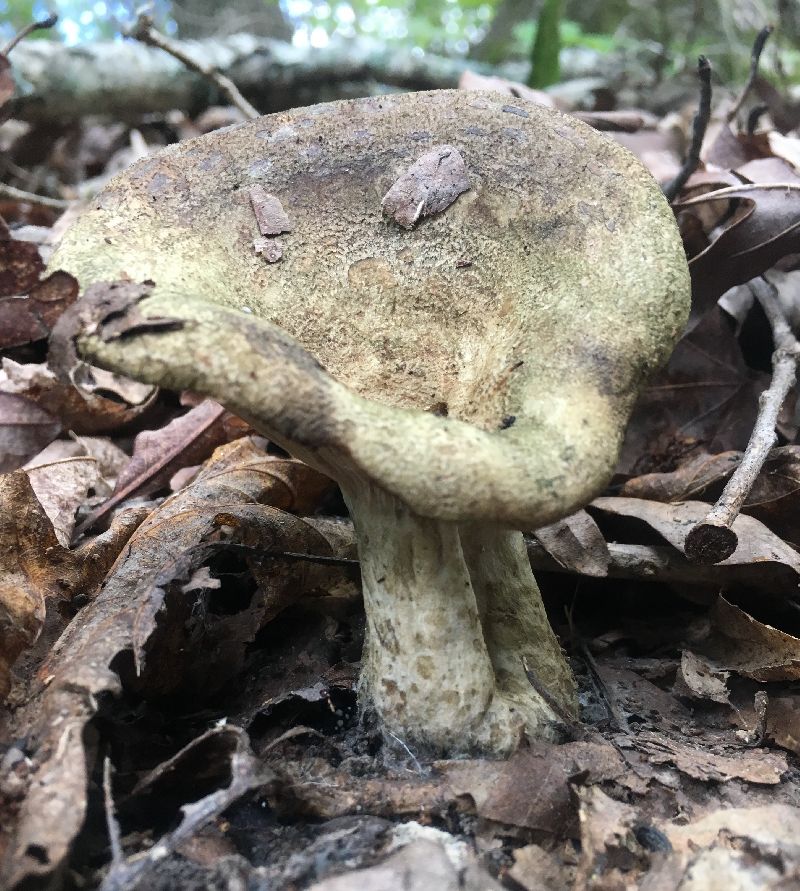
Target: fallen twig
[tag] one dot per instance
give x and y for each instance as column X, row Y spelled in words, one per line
column 714, row 540
column 144, row 32
column 755, row 58
column 117, row 855
column 48, row 22
column 699, row 126
column 20, row 195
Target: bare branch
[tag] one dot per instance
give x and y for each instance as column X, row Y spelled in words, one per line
column 48, row 22
column 19, row 195
column 714, row 540
column 755, row 58
column 699, row 127
column 144, row 32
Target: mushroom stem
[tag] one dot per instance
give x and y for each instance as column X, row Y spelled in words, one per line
column 516, row 628
column 447, row 631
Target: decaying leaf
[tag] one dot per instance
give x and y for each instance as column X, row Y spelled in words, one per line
column 701, row 679
column 25, row 429
column 271, row 249
column 219, row 510
column 576, row 544
column 92, row 409
column 159, row 454
column 740, row 643
column 757, row 545
column 270, row 215
column 428, row 187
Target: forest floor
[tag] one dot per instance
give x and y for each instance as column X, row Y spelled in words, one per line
column 180, row 710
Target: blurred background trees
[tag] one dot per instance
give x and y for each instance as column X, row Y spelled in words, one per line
column 663, row 37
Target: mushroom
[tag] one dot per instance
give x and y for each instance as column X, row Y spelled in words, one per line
column 464, row 373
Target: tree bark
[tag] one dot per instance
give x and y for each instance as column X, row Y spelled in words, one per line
column 125, row 80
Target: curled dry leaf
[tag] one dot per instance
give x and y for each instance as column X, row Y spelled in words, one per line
column 25, row 429
column 81, row 410
column 27, row 319
column 429, row 186
column 219, row 510
column 740, row 643
column 577, row 544
column 159, row 454
column 757, row 545
column 774, row 498
column 34, row 565
column 759, row 225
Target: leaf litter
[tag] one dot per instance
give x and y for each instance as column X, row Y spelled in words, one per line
column 180, row 688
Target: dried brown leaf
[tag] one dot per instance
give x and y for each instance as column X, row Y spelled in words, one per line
column 742, row 644
column 218, row 510
column 532, row 788
column 25, row 429
column 762, row 226
column 707, row 396
column 750, row 765
column 577, row 544
column 757, row 545
column 82, row 411
column 429, row 186
column 158, row 454
column 270, row 215
column 20, row 267
column 774, row 498
column 61, row 488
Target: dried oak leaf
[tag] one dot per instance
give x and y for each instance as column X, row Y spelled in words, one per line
column 219, row 510
column 82, row 409
column 757, row 545
column 25, row 429
column 429, row 186
column 159, row 454
column 707, row 396
column 577, row 544
column 758, row 224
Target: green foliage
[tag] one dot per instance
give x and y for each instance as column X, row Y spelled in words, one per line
column 547, row 46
